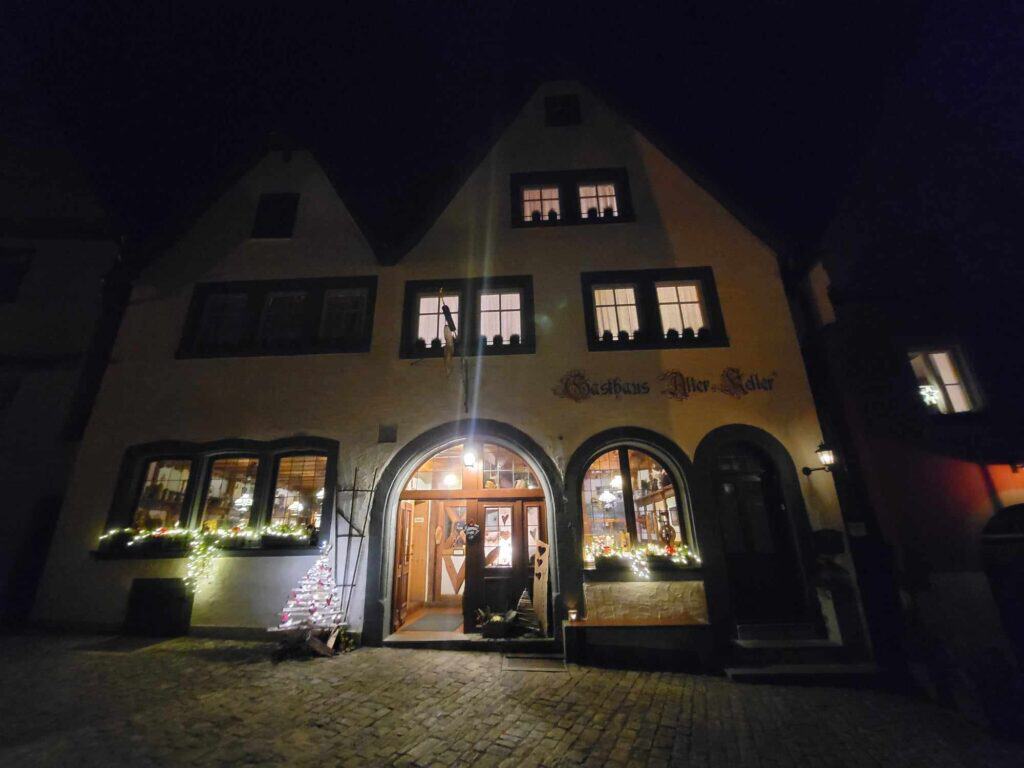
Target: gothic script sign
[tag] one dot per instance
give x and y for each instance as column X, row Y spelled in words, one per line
column 575, row 385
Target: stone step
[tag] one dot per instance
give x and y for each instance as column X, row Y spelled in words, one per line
column 538, row 645
column 863, row 675
column 752, row 653
column 793, row 630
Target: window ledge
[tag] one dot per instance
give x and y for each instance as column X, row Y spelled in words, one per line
column 598, row 345
column 274, row 551
column 686, row 573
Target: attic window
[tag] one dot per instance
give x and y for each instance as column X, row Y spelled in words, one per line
column 275, row 215
column 562, row 110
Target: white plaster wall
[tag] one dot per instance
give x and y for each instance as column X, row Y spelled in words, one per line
column 149, row 395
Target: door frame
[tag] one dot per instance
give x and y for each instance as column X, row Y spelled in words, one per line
column 381, row 529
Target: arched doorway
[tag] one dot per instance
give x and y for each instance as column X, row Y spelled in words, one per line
column 468, row 523
column 760, row 550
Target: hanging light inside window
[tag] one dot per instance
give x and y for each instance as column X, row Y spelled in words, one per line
column 244, row 501
column 617, row 482
column 606, row 496
column 296, row 506
column 320, row 495
column 468, row 457
column 451, row 480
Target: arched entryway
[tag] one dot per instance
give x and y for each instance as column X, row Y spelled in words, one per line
column 446, row 447
column 470, row 520
column 752, row 486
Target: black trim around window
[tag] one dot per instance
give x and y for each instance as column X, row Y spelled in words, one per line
column 568, row 183
column 202, row 455
column 650, row 335
column 256, row 293
column 468, row 321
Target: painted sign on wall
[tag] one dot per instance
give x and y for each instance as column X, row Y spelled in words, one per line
column 575, row 385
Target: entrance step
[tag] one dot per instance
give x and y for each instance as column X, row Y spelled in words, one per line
column 543, row 646
column 788, row 631
column 849, row 675
column 760, row 653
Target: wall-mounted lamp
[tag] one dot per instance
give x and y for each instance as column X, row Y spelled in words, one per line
column 826, row 456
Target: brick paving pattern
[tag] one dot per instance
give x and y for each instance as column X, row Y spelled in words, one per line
column 213, row 702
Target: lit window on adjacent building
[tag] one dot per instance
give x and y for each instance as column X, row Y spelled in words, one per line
column 940, row 382
column 430, row 320
column 615, row 311
column 162, row 497
column 299, row 491
column 597, row 201
column 500, row 316
column 680, row 307
column 225, row 322
column 283, row 321
column 541, row 204
column 230, row 493
column 344, row 316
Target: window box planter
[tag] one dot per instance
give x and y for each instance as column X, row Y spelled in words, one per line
column 241, row 541
column 160, row 544
column 612, row 564
column 114, row 542
column 287, row 541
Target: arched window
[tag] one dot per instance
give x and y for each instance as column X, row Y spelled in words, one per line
column 631, row 500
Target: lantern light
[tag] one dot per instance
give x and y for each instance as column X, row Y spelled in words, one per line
column 827, row 457
column 573, row 614
column 468, row 457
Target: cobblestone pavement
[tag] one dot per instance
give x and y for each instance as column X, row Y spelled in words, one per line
column 190, row 702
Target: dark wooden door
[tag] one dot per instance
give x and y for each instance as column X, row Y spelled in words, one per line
column 764, row 575
column 499, row 558
column 403, row 557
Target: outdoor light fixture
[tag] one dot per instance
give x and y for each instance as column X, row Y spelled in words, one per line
column 826, row 456
column 468, row 457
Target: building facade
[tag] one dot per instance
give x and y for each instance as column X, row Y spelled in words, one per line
column 624, row 375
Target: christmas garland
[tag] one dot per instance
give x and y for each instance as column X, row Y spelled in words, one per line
column 639, row 558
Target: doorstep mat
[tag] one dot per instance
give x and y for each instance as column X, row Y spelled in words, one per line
column 435, row 622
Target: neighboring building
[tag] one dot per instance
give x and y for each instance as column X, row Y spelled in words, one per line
column 639, row 383
column 56, row 247
column 916, row 307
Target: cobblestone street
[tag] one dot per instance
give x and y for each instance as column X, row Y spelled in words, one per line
column 85, row 701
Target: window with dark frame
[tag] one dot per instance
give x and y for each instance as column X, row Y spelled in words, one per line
column 562, row 110
column 282, row 317
column 630, row 499
column 941, row 382
column 581, row 197
column 275, row 215
column 652, row 309
column 482, row 309
column 227, row 487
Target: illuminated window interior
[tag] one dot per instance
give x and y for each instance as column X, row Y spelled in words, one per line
column 629, row 498
column 500, row 314
column 615, row 310
column 541, row 204
column 230, row 493
column 939, row 382
column 430, row 320
column 598, row 201
column 299, row 491
column 680, row 308
column 162, row 497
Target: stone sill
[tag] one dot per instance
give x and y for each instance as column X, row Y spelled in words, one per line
column 625, row 574
column 254, row 552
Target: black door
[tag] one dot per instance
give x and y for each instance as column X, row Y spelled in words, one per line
column 764, row 572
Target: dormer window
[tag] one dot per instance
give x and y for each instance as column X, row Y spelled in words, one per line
column 598, row 201
column 940, row 381
column 541, row 204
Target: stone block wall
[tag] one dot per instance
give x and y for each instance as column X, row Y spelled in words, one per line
column 646, row 602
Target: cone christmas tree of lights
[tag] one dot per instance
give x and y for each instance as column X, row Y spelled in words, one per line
column 315, row 603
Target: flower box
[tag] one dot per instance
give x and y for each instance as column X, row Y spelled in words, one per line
column 160, row 543
column 612, row 564
column 285, row 541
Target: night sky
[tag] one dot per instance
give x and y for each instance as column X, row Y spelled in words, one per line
column 770, row 104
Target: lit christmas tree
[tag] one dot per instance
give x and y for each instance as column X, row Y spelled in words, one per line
column 315, row 604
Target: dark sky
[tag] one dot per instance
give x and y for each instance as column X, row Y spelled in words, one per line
column 771, row 103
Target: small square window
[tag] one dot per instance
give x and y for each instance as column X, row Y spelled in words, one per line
column 541, row 204
column 940, row 382
column 679, row 305
column 597, row 201
column 562, row 110
column 225, row 322
column 500, row 315
column 430, row 320
column 615, row 311
column 275, row 215
column 162, row 497
column 283, row 319
column 344, row 316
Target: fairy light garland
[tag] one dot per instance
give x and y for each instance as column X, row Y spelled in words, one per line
column 638, row 558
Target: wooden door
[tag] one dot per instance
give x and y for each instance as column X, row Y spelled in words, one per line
column 403, row 557
column 763, row 570
column 499, row 559
column 449, row 520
